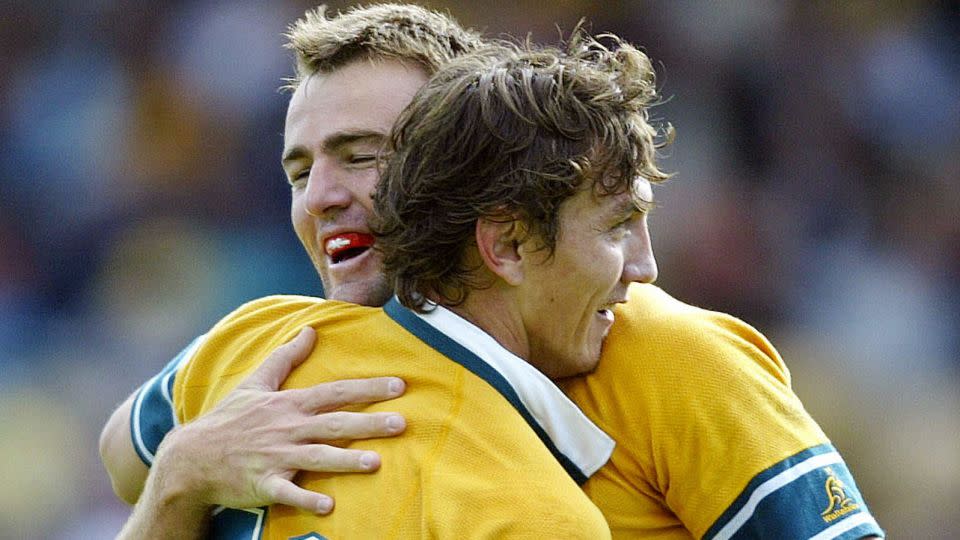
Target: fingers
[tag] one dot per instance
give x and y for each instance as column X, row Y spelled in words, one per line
column 328, row 396
column 330, row 459
column 317, row 458
column 282, row 491
column 349, row 425
column 275, row 369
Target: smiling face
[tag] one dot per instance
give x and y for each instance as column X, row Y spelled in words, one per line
column 566, row 301
column 336, row 124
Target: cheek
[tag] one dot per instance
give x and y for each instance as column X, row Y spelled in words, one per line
column 298, row 212
column 303, row 226
column 365, row 188
column 613, row 261
column 299, row 221
column 597, row 266
column 296, row 207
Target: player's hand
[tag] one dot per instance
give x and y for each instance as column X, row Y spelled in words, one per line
column 245, row 452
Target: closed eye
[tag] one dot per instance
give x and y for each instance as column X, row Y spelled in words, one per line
column 297, row 177
column 362, row 159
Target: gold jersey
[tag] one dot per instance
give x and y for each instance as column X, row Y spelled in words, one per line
column 475, row 462
column 711, row 440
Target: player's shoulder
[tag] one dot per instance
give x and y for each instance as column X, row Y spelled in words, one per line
column 279, row 305
column 656, row 327
column 276, row 311
column 267, row 308
column 245, row 336
column 280, row 300
column 658, row 311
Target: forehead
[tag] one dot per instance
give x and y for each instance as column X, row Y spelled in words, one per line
column 365, row 95
column 587, row 205
column 639, row 195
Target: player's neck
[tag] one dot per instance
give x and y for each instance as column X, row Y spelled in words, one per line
column 495, row 314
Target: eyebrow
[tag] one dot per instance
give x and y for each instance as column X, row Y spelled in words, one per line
column 332, row 143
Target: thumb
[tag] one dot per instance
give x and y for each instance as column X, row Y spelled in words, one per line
column 277, row 367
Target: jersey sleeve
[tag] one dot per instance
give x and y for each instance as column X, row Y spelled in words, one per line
column 808, row 495
column 158, row 405
column 801, row 487
column 708, row 426
column 153, row 416
column 748, row 444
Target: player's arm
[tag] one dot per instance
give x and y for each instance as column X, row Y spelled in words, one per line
column 246, row 451
column 131, row 436
column 289, row 426
column 126, row 470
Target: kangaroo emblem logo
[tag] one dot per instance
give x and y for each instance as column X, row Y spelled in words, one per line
column 839, row 503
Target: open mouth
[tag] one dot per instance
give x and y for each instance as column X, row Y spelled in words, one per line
column 346, row 246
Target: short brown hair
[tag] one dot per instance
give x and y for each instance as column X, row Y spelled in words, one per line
column 402, row 32
column 509, row 132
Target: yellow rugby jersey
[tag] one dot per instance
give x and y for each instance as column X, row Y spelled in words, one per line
column 480, row 457
column 711, row 440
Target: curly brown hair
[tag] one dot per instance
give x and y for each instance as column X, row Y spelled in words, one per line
column 509, row 132
column 402, row 32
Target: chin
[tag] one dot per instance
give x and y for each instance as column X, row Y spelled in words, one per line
column 590, row 363
column 373, row 294
column 575, row 366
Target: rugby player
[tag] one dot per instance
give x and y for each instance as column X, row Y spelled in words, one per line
column 711, row 440
column 516, row 185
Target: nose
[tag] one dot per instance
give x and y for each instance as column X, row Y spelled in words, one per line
column 326, row 191
column 640, row 265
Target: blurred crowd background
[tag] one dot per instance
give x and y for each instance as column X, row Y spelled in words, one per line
column 817, row 196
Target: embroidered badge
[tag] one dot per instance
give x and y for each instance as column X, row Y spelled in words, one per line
column 839, row 503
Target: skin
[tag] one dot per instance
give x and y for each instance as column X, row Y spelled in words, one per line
column 336, row 124
column 603, row 245
column 265, row 436
column 597, row 234
column 331, row 143
column 331, row 186
column 312, row 412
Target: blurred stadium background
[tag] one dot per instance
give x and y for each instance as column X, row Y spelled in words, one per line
column 817, row 196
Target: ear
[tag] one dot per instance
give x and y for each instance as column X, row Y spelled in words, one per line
column 498, row 244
